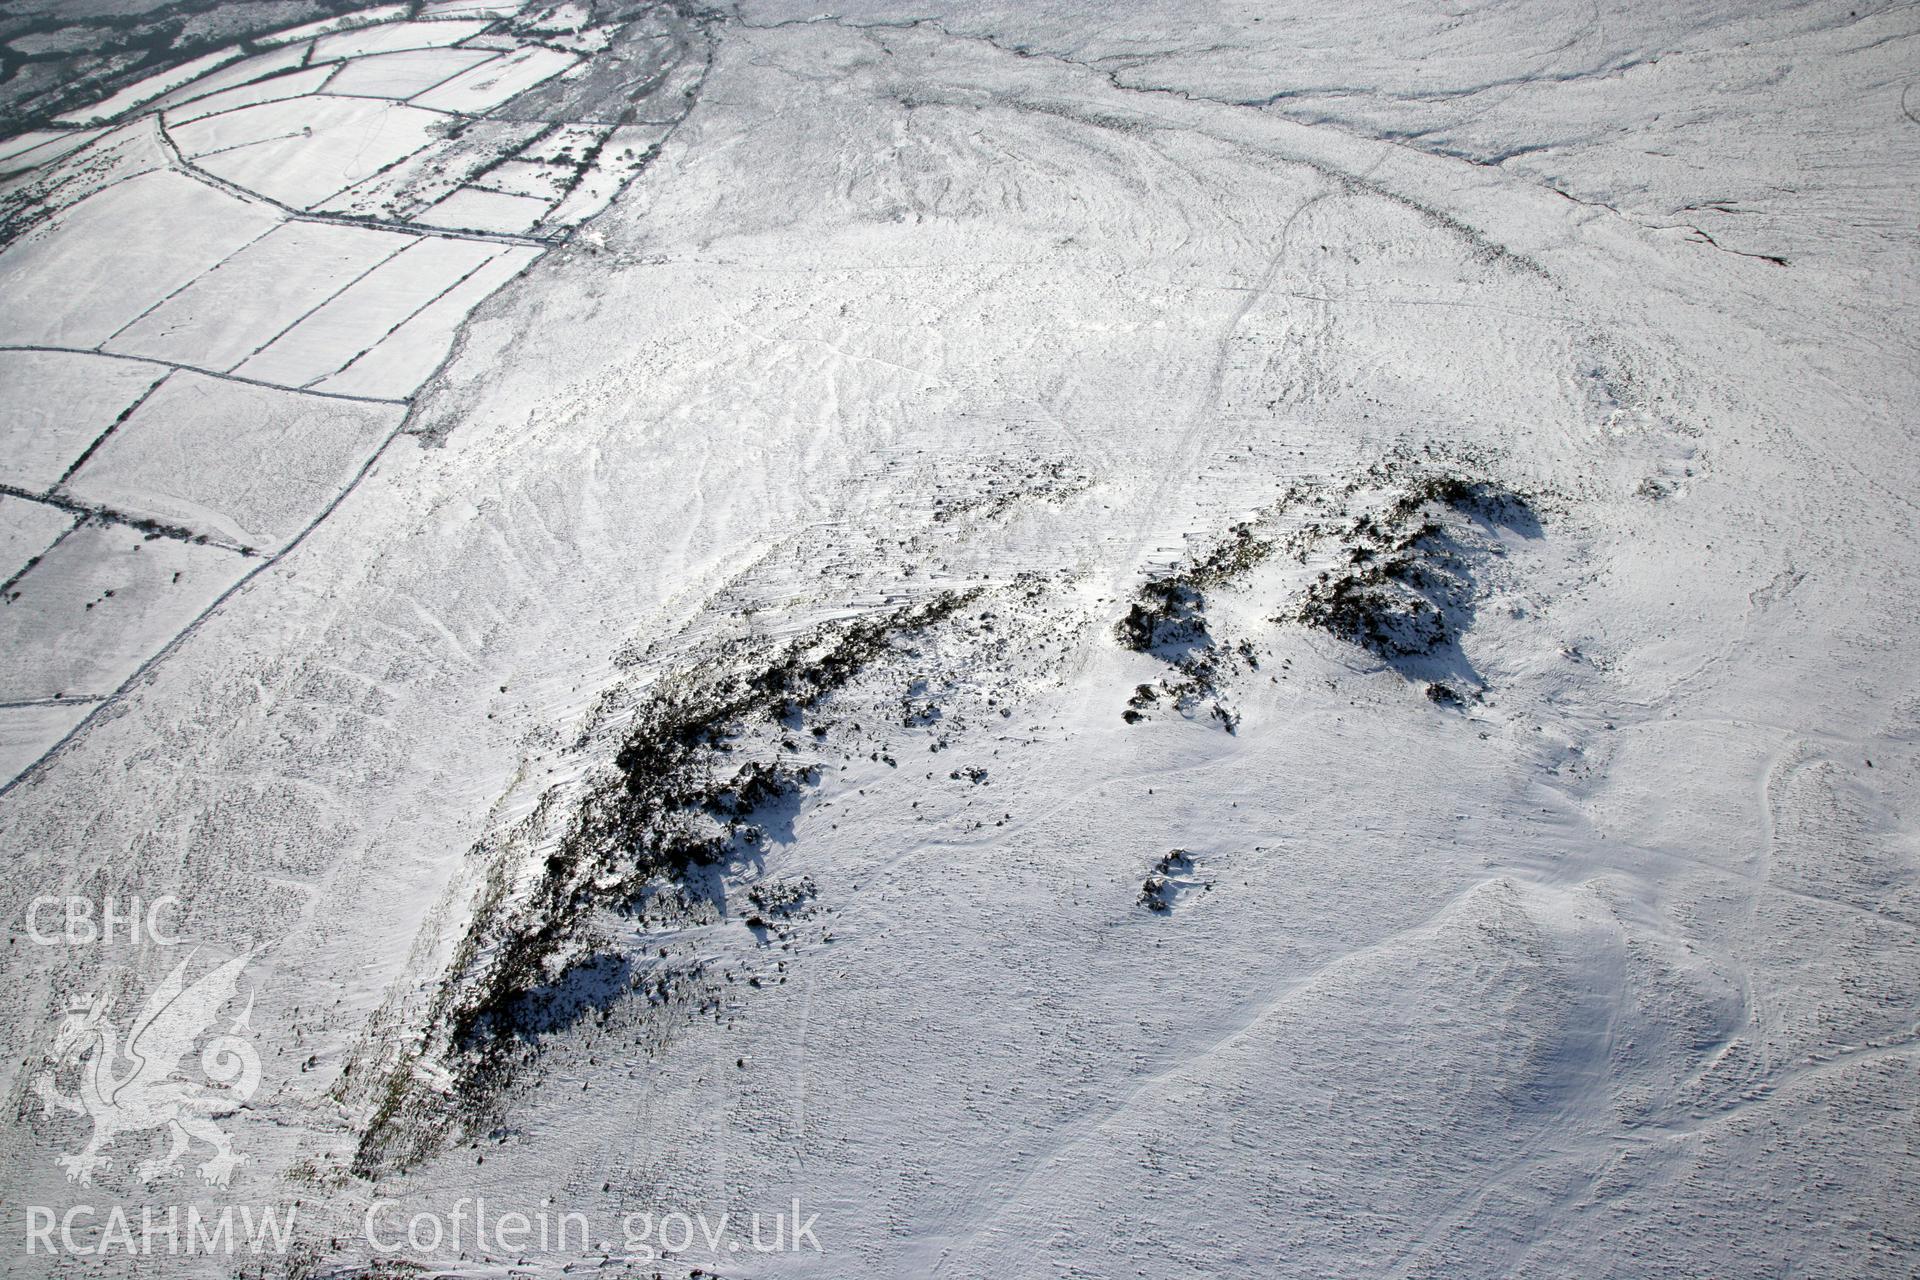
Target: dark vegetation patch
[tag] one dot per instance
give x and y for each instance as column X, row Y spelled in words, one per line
column 1172, row 876
column 778, row 903
column 992, row 485
column 1404, row 545
column 1402, row 584
column 1171, row 609
column 648, row 845
column 1168, row 619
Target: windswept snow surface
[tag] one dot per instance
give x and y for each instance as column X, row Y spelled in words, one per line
column 1199, row 640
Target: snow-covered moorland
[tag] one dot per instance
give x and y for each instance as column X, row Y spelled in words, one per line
column 1049, row 639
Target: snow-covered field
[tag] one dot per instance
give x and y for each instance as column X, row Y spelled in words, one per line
column 1159, row 640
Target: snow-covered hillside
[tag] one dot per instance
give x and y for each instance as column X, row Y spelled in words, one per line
column 1172, row 639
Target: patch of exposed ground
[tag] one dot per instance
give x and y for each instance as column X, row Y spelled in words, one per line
column 1389, row 561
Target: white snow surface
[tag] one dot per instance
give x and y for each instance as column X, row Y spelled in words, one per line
column 1611, row 968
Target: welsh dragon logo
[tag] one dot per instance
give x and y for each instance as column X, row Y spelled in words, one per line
column 134, row 1086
